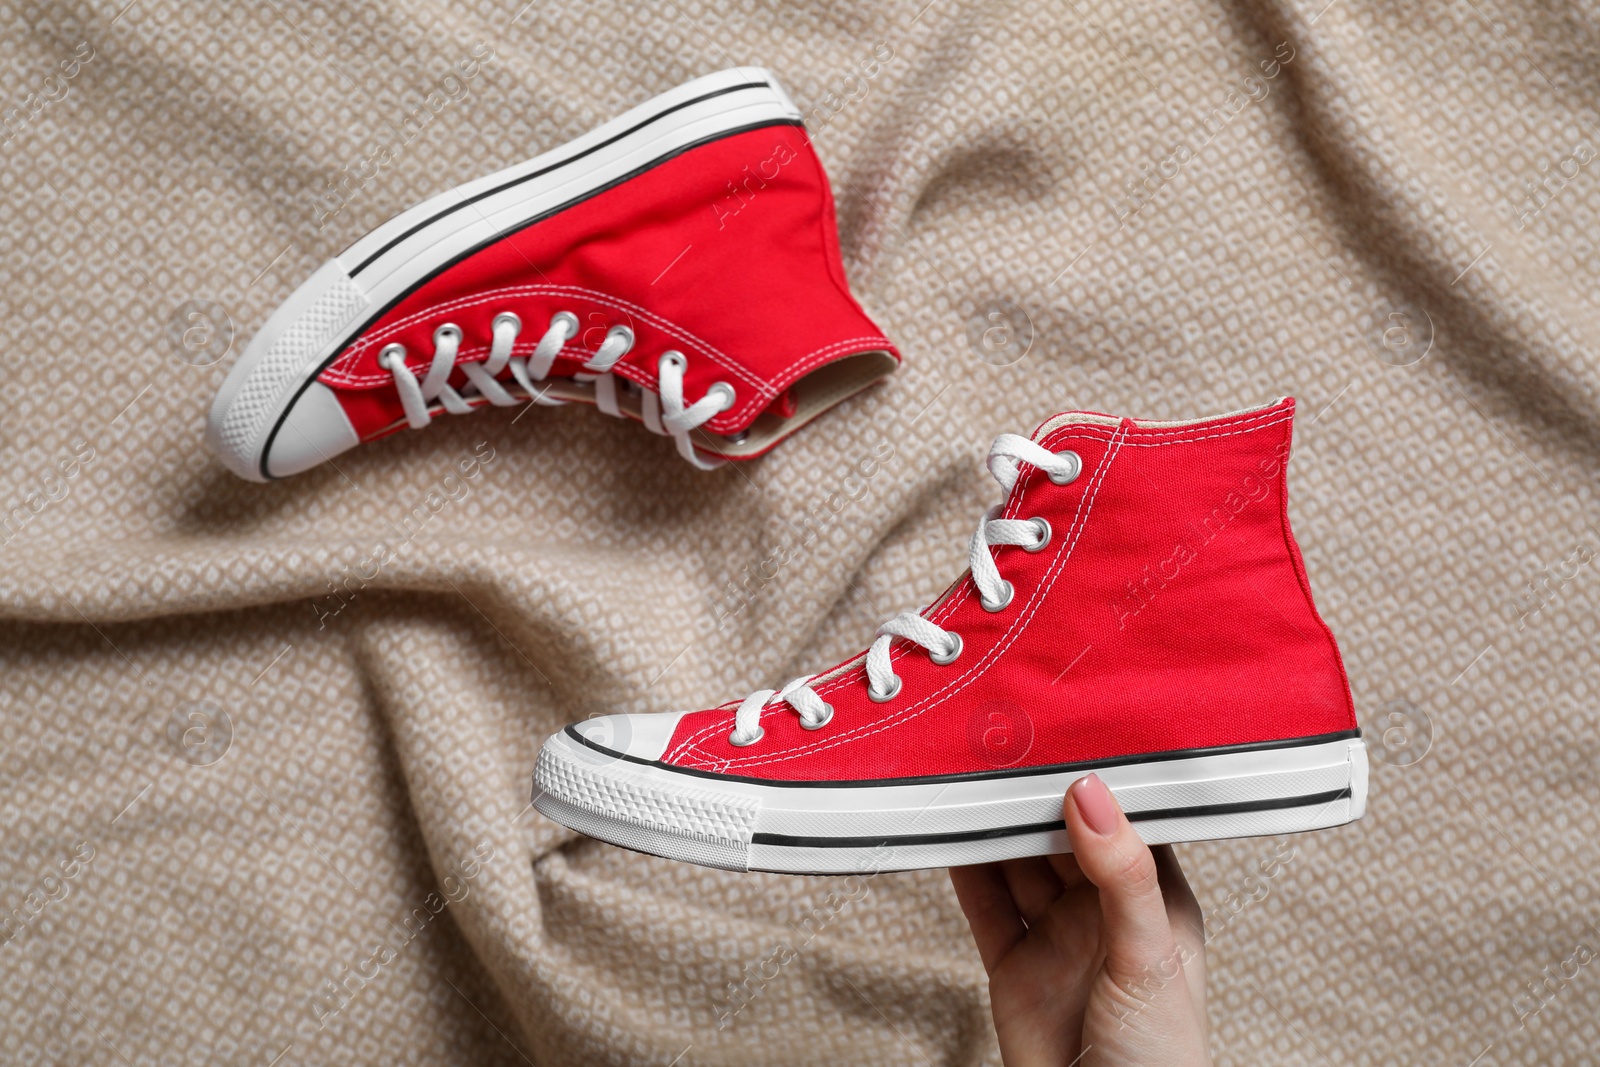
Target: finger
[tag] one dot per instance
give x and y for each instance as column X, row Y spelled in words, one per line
column 1034, row 886
column 1183, row 910
column 1139, row 941
column 1065, row 864
column 986, row 902
column 1188, row 926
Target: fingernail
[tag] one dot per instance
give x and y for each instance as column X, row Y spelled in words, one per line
column 1096, row 804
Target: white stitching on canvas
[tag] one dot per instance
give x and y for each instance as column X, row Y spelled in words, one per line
column 954, row 686
column 372, row 340
column 339, row 373
column 1074, row 431
column 933, row 700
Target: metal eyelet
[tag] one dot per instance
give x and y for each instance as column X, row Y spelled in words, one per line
column 389, row 354
column 676, row 358
column 894, row 691
column 827, row 717
column 733, row 738
column 1072, row 475
column 448, row 329
column 944, row 659
column 1043, row 526
column 737, row 438
column 620, row 330
column 570, row 319
column 508, row 317
column 726, row 390
column 1005, row 600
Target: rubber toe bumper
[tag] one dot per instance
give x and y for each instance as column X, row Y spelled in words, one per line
column 642, row 737
column 314, row 431
column 251, row 409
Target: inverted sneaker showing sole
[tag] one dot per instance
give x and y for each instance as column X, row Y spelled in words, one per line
column 1137, row 607
column 678, row 265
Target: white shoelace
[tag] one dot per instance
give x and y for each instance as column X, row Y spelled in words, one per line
column 1005, row 458
column 664, row 413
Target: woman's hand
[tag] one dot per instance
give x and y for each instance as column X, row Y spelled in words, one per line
column 1097, row 958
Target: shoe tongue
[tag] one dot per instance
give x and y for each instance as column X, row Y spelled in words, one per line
column 1068, row 418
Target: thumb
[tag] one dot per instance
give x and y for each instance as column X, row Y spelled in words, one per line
column 1140, row 948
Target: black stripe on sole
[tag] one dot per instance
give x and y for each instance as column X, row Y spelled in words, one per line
column 1195, row 811
column 974, row 776
column 364, row 264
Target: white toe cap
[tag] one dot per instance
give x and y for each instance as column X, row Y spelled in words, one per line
column 640, row 736
column 315, row 430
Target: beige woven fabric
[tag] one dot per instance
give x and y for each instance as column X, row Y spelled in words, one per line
column 247, row 820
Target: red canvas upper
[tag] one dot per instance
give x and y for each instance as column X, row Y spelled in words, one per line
column 1169, row 611
column 727, row 252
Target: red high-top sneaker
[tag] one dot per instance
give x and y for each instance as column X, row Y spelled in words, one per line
column 1136, row 607
column 679, row 265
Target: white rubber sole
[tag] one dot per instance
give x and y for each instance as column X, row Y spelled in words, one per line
column 306, row 332
column 753, row 825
